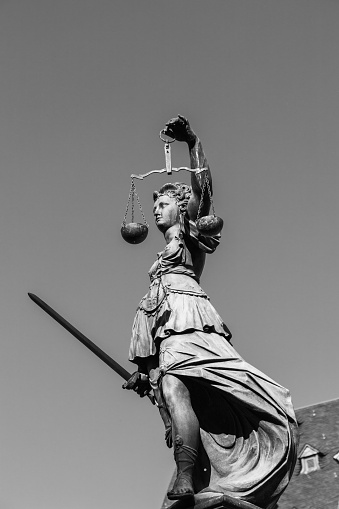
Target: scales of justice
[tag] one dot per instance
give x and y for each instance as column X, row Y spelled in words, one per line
column 134, row 233
column 232, row 428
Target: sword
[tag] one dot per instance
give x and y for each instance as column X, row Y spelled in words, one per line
column 98, row 352
column 82, row 338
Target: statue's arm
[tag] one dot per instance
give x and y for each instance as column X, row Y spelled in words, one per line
column 180, row 129
column 198, row 160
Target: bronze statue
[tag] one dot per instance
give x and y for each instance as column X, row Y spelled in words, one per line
column 232, row 427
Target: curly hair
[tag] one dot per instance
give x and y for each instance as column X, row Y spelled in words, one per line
column 178, row 190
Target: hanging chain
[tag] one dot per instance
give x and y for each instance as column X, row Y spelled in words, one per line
column 207, row 180
column 140, row 207
column 131, row 198
column 131, row 192
column 205, row 184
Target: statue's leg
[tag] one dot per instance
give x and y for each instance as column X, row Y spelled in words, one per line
column 185, row 432
column 155, row 380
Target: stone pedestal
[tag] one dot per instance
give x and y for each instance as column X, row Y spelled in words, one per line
column 210, row 501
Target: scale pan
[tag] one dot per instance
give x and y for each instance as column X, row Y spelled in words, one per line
column 210, row 225
column 134, row 233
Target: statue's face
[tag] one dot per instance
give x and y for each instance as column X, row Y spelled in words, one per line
column 166, row 212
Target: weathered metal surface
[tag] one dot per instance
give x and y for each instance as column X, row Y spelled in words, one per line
column 209, row 226
column 134, row 233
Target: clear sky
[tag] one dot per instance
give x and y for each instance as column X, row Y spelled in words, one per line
column 85, row 87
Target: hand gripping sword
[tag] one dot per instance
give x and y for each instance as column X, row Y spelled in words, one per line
column 84, row 340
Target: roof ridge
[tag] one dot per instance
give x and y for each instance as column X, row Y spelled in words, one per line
column 317, row 404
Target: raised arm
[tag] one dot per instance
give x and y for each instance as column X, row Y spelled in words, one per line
column 179, row 129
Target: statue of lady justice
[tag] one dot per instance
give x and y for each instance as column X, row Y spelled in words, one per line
column 233, row 428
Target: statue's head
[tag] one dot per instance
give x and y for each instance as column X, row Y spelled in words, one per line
column 169, row 202
column 181, row 192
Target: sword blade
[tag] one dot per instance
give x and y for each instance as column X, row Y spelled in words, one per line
column 81, row 337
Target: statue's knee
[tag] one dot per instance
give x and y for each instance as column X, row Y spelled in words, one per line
column 167, row 387
column 174, row 391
